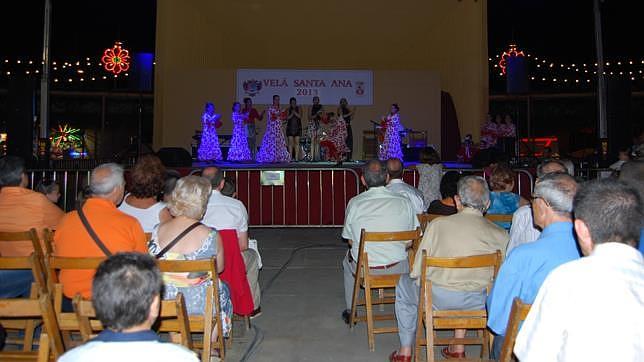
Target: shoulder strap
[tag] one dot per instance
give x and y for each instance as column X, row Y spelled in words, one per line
column 176, row 240
column 91, row 232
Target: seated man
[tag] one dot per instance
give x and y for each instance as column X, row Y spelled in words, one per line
column 528, row 265
column 126, row 296
column 523, row 229
column 20, row 210
column 466, row 233
column 395, row 169
column 116, row 231
column 226, row 213
column 377, row 209
column 591, row 309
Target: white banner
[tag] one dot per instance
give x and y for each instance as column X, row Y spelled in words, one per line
column 330, row 85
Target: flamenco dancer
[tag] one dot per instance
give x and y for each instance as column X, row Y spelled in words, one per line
column 315, row 116
column 335, row 141
column 209, row 147
column 390, row 147
column 239, row 150
column 273, row 147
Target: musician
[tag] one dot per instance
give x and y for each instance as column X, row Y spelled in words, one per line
column 252, row 116
column 316, row 113
column 209, row 146
column 347, row 114
column 390, row 147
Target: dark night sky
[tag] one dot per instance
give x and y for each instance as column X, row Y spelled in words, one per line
column 560, row 29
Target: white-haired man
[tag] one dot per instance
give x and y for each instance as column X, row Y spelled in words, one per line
column 466, row 233
column 105, row 230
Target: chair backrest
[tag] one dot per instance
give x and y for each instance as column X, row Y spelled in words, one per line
column 212, row 300
column 517, row 315
column 492, row 260
column 176, row 308
column 425, row 219
column 48, row 243
column 30, row 308
column 58, row 263
column 412, row 236
column 499, row 217
column 30, row 235
column 148, row 236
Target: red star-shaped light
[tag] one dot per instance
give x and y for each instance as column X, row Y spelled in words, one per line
column 116, row 59
column 511, row 52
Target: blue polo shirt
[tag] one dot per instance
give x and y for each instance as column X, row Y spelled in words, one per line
column 525, row 269
column 108, row 335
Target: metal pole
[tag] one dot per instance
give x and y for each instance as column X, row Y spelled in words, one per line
column 44, row 80
column 601, row 77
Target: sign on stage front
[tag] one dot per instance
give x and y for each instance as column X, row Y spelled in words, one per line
column 330, row 85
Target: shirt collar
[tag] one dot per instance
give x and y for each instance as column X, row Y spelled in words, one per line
column 101, row 202
column 396, row 181
column 557, row 227
column 471, row 211
column 619, row 251
column 108, row 335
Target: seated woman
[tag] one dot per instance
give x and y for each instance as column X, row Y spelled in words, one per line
column 188, row 204
column 335, row 141
column 502, row 200
column 145, row 186
column 446, row 205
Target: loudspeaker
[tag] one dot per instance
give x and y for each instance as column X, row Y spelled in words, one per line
column 20, row 118
column 175, row 157
column 618, row 114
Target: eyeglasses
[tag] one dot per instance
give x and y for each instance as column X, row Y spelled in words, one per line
column 534, row 197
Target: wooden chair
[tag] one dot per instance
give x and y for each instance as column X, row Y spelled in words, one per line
column 517, row 315
column 425, row 219
column 148, row 236
column 67, row 321
column 48, row 243
column 174, row 309
column 51, row 344
column 28, row 326
column 211, row 317
column 364, row 279
column 452, row 319
column 499, row 217
column 30, row 235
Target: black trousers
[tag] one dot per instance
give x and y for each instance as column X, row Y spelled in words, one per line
column 349, row 142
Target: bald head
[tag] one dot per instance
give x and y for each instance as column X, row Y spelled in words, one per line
column 550, row 166
column 394, row 168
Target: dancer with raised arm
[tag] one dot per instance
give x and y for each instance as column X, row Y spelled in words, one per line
column 239, row 150
column 390, row 147
column 209, row 149
column 273, row 148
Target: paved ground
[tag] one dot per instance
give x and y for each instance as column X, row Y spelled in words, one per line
column 301, row 308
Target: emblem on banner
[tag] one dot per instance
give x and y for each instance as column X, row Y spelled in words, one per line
column 359, row 88
column 252, row 87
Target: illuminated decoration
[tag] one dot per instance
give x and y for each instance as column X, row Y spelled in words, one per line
column 116, row 59
column 511, row 52
column 65, row 137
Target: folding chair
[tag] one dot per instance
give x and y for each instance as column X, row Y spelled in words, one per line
column 452, row 319
column 32, row 236
column 51, row 345
column 173, row 309
column 517, row 315
column 28, row 326
column 364, row 279
column 499, row 217
column 425, row 219
column 209, row 320
column 67, row 321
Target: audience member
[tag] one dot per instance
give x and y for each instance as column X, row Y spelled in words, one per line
column 20, row 210
column 171, row 177
column 114, row 230
column 523, row 230
column 446, row 205
column 125, row 295
column 527, row 266
column 632, row 173
column 466, row 233
column 50, row 189
column 429, row 170
column 229, row 189
column 226, row 213
column 197, row 241
column 591, row 309
column 395, row 169
column 145, row 186
column 377, row 209
column 503, row 200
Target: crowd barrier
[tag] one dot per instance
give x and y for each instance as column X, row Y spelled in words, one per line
column 309, row 197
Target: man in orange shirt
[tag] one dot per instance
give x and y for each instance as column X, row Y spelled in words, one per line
column 20, row 210
column 116, row 230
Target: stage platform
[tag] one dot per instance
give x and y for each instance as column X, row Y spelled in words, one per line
column 303, row 164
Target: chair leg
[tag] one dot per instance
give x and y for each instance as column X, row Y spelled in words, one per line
column 369, row 307
column 419, row 331
column 354, row 300
column 485, row 348
column 28, row 340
